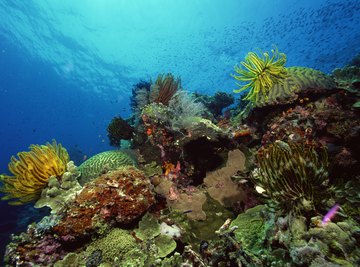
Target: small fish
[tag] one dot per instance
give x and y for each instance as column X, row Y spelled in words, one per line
column 330, row 214
column 187, row 211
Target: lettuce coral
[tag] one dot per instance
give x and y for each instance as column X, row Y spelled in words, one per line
column 32, row 171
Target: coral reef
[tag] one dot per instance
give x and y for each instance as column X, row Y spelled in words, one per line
column 273, row 181
column 217, row 103
column 103, row 162
column 32, row 172
column 348, row 78
column 118, row 129
column 120, row 196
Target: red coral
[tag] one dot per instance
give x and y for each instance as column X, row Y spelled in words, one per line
column 118, row 196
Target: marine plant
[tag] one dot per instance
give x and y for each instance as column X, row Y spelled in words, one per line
column 293, row 174
column 31, row 172
column 260, row 73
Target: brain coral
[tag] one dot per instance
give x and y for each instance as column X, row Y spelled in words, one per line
column 102, row 162
column 120, row 196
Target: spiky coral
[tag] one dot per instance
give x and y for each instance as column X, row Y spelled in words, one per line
column 260, row 73
column 293, row 174
column 32, row 171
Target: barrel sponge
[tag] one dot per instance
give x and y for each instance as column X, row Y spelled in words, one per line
column 103, row 162
column 298, row 79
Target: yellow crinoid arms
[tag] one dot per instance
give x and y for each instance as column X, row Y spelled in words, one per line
column 260, row 73
column 31, row 172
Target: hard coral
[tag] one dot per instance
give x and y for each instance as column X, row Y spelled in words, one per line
column 32, row 171
column 119, row 196
column 103, row 162
column 292, row 174
column 260, row 74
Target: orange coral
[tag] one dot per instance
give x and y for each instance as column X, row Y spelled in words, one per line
column 32, row 171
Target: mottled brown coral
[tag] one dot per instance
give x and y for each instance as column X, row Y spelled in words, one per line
column 120, row 196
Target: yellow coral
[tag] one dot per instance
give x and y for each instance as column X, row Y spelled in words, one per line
column 260, row 73
column 32, row 171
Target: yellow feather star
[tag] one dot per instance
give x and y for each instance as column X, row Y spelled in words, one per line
column 32, row 171
column 260, row 73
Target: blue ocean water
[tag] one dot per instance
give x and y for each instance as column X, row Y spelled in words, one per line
column 68, row 67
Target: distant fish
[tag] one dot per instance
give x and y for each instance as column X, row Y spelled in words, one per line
column 330, row 214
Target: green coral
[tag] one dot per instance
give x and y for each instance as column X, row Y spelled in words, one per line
column 149, row 228
column 149, row 231
column 70, row 260
column 118, row 248
column 103, row 162
column 165, row 245
column 251, row 230
column 293, row 174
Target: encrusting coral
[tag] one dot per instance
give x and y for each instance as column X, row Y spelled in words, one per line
column 260, row 73
column 219, row 184
column 119, row 196
column 32, row 172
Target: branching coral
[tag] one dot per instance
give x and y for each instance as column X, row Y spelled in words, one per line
column 260, row 73
column 293, row 174
column 32, row 171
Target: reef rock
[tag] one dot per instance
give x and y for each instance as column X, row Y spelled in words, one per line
column 120, row 196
